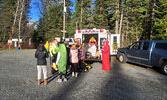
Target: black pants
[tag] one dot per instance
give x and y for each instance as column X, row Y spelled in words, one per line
column 81, row 64
column 74, row 67
column 61, row 74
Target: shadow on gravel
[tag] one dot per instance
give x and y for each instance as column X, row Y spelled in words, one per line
column 68, row 88
column 55, row 75
column 119, row 86
column 51, row 78
column 157, row 69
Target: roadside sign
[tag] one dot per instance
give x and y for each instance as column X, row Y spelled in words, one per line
column 14, row 39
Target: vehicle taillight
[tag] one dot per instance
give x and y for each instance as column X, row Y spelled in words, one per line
column 79, row 31
column 101, row 30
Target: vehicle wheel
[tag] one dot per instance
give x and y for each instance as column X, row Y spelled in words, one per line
column 164, row 68
column 122, row 58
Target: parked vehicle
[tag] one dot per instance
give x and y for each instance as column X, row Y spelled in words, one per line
column 69, row 40
column 149, row 53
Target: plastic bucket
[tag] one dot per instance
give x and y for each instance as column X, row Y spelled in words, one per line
column 17, row 48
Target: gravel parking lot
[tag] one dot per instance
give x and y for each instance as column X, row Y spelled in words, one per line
column 18, row 75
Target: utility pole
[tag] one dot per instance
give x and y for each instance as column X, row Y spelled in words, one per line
column 81, row 13
column 64, row 17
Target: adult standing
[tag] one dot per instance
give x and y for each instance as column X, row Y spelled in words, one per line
column 41, row 55
column 53, row 53
column 62, row 62
column 106, row 57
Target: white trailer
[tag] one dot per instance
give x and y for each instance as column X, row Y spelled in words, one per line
column 99, row 34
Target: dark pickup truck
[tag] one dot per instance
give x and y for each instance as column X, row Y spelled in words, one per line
column 149, row 53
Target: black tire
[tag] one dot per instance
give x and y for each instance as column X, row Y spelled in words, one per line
column 122, row 58
column 164, row 68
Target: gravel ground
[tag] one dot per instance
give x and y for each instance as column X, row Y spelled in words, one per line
column 18, row 81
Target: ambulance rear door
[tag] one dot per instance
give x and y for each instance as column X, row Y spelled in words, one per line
column 114, row 43
column 86, row 38
column 102, row 36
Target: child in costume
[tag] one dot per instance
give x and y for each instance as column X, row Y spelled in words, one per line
column 62, row 62
column 82, row 57
column 74, row 60
column 41, row 55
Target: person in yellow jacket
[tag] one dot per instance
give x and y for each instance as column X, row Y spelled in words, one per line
column 53, row 55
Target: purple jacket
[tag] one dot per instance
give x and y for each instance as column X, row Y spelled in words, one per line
column 82, row 54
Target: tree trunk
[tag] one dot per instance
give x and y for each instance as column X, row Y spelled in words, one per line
column 117, row 19
column 4, row 35
column 137, row 34
column 29, row 42
column 15, row 17
column 120, row 27
column 21, row 14
column 127, row 31
column 152, row 18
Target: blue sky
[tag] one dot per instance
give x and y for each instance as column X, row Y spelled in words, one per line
column 35, row 9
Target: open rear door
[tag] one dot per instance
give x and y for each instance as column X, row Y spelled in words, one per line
column 114, row 43
column 87, row 37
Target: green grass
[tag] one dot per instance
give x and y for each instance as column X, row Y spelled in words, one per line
column 12, row 49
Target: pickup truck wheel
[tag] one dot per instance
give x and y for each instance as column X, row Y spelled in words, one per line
column 122, row 58
column 164, row 68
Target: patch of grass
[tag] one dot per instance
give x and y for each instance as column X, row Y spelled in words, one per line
column 7, row 49
column 12, row 49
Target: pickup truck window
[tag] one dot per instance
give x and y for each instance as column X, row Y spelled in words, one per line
column 161, row 46
column 146, row 45
column 136, row 45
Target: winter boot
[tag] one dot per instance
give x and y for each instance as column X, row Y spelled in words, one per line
column 39, row 81
column 45, row 81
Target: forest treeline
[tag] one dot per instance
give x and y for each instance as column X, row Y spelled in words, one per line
column 133, row 19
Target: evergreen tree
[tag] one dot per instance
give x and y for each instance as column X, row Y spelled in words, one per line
column 160, row 21
column 6, row 18
column 51, row 23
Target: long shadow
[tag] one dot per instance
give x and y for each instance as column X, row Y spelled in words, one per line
column 51, row 78
column 157, row 69
column 119, row 85
column 55, row 75
column 62, row 94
